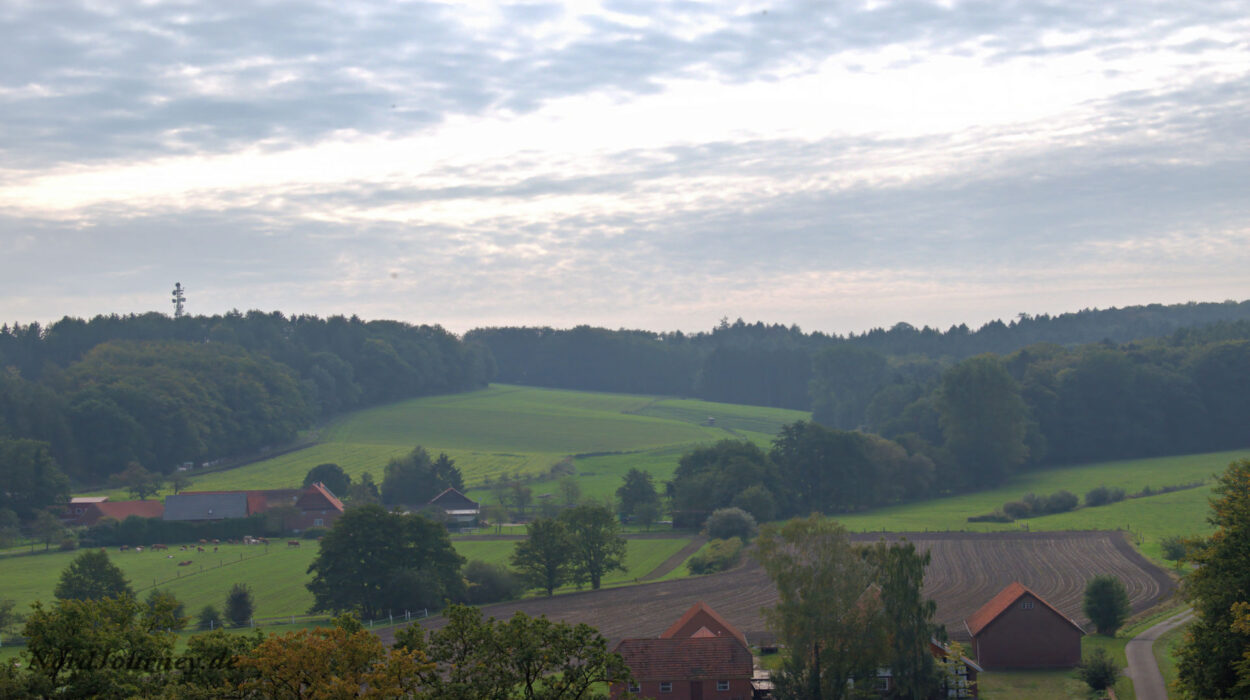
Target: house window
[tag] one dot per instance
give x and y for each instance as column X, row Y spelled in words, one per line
column 318, row 522
column 666, row 686
column 1027, row 605
column 635, row 688
column 722, row 685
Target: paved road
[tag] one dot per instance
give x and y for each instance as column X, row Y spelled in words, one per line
column 1142, row 668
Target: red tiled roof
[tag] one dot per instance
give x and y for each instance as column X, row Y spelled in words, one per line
column 257, row 499
column 701, row 608
column 120, row 510
column 1000, row 603
column 712, row 658
column 320, row 488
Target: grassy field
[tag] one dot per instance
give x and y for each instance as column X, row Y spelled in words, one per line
column 508, row 430
column 1149, row 519
column 277, row 577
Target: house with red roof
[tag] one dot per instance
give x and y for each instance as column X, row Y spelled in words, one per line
column 1019, row 629
column 313, row 506
column 700, row 657
column 317, row 506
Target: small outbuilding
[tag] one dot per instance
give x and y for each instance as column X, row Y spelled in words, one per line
column 1017, row 629
column 458, row 509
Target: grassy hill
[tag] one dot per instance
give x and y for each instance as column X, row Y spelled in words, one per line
column 509, row 430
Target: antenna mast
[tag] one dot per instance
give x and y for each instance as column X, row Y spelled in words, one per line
column 178, row 299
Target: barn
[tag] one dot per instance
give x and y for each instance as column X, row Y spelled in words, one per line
column 1017, row 629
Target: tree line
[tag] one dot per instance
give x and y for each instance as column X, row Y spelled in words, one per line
column 103, row 393
column 773, row 365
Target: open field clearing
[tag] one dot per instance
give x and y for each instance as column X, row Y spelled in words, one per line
column 967, row 570
column 507, row 430
column 277, row 576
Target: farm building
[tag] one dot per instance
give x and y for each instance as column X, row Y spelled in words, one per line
column 316, row 505
column 701, row 656
column 1018, row 629
column 89, row 510
column 458, row 509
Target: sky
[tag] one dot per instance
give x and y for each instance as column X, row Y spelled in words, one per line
column 835, row 165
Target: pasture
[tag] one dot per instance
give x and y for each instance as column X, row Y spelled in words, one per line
column 276, row 574
column 504, row 431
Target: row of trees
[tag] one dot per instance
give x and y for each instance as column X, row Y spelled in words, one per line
column 159, row 391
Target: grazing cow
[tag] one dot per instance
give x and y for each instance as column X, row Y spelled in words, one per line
column 139, row 549
column 203, row 541
column 214, row 549
column 292, row 543
column 124, row 548
column 216, row 541
column 161, row 547
column 199, row 549
column 185, row 563
column 169, row 556
column 263, row 540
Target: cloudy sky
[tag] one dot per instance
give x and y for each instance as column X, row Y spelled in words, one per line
column 839, row 165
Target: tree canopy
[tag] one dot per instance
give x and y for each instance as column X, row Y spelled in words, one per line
column 414, row 478
column 596, row 543
column 373, row 561
column 92, row 576
column 545, row 557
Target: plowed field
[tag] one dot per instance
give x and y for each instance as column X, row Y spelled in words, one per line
column 966, row 571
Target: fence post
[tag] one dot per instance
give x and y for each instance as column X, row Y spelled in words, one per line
column 392, row 616
column 251, row 622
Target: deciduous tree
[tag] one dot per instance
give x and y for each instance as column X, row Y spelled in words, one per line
column 638, row 489
column 983, row 419
column 598, row 547
column 544, row 558
column 1106, row 604
column 138, row 482
column 92, row 576
column 332, row 475
column 1213, row 659
column 240, row 605
column 32, row 478
column 373, row 561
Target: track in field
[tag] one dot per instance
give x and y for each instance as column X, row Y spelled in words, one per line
column 967, row 569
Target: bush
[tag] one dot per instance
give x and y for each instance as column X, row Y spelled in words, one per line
column 1101, row 496
column 490, row 583
column 1061, row 502
column 996, row 517
column 209, row 618
column 239, row 605
column 1174, row 548
column 1098, row 670
column 313, row 533
column 1017, row 510
column 69, row 544
column 730, row 522
column 719, row 555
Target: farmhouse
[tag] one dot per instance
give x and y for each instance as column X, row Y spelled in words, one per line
column 317, row 508
column 206, row 506
column 701, row 656
column 458, row 509
column 89, row 510
column 1018, row 629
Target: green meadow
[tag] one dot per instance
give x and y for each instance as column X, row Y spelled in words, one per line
column 277, row 577
column 504, row 431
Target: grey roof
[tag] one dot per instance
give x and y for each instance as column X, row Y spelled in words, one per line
column 205, row 506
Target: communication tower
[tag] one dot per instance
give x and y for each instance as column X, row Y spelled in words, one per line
column 178, row 299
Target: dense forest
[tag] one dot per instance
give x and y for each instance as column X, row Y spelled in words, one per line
column 162, row 391
column 771, row 365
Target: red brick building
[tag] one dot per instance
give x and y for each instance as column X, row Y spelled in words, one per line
column 317, row 508
column 700, row 657
column 1018, row 629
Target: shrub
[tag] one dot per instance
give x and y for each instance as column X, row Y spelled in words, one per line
column 313, row 533
column 1017, row 510
column 730, row 522
column 1101, row 496
column 1061, row 502
column 69, row 544
column 209, row 618
column 1174, row 548
column 719, row 555
column 1098, row 670
column 490, row 583
column 996, row 517
column 239, row 605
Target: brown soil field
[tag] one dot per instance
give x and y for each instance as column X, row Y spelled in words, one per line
column 967, row 569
